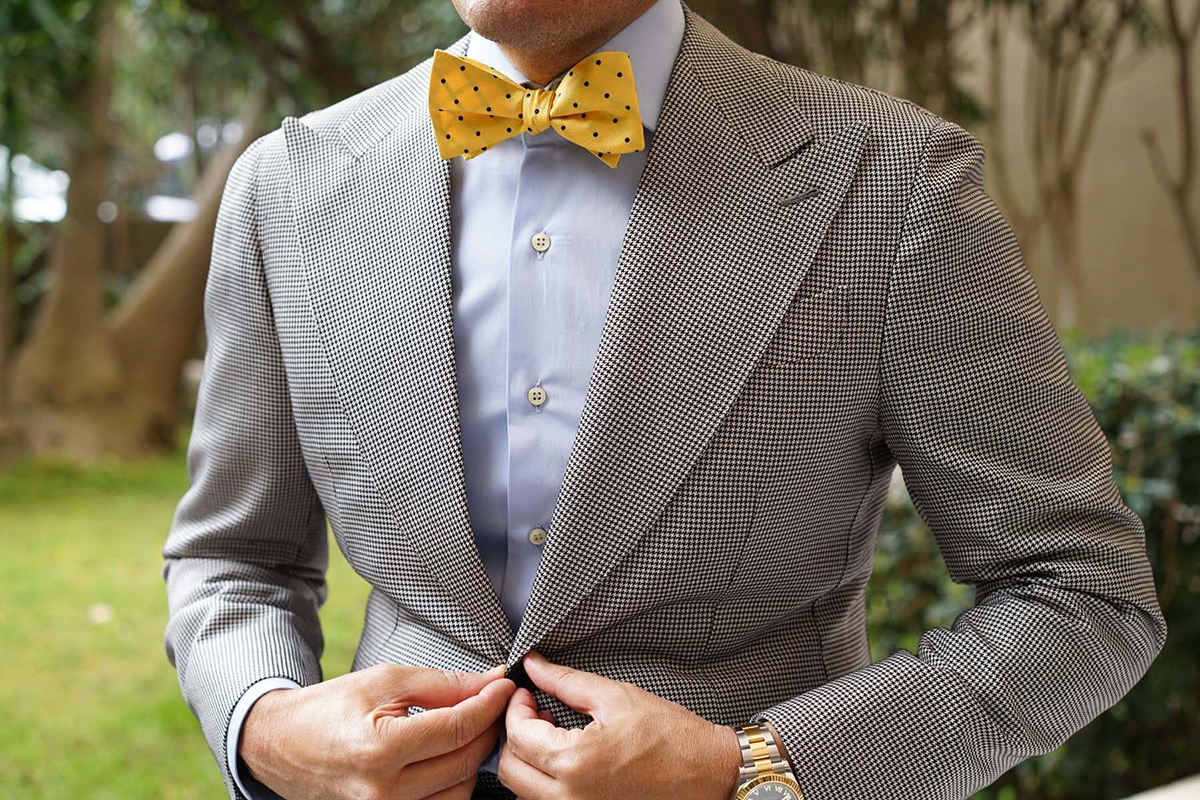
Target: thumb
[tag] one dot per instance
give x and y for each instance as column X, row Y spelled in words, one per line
column 431, row 688
column 583, row 691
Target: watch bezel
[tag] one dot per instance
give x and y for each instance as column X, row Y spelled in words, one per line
column 773, row 777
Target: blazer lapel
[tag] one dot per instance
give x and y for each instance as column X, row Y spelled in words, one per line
column 698, row 293
column 373, row 219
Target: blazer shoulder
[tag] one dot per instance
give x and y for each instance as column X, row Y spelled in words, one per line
column 397, row 95
column 834, row 102
column 361, row 120
column 270, row 149
column 899, row 127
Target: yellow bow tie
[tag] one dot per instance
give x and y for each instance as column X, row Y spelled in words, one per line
column 474, row 107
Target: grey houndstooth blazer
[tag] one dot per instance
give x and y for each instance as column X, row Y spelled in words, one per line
column 813, row 287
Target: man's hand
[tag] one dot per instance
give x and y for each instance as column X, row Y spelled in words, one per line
column 352, row 737
column 637, row 744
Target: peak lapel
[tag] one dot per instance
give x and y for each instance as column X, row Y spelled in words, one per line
column 372, row 204
column 710, row 261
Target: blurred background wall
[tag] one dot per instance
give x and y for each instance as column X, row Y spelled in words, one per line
column 119, row 120
column 1138, row 266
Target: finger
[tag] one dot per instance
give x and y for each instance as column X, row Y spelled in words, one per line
column 524, row 779
column 434, row 688
column 583, row 691
column 546, row 714
column 522, row 705
column 532, row 739
column 442, row 730
column 449, row 770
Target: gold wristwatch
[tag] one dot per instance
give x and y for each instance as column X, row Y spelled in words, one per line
column 765, row 772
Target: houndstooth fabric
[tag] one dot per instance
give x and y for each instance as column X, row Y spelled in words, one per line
column 813, row 287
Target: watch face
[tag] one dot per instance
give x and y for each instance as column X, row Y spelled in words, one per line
column 770, row 787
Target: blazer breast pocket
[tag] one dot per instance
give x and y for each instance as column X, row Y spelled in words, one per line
column 812, row 326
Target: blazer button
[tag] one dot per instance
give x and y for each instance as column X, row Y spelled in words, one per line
column 537, row 536
column 536, row 395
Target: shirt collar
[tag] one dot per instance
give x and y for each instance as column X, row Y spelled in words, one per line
column 652, row 41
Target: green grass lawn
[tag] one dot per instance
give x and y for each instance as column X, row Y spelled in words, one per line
column 89, row 704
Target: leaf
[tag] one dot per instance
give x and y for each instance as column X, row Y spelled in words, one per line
column 65, row 36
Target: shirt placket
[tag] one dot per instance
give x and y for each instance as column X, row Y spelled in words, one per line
column 531, row 380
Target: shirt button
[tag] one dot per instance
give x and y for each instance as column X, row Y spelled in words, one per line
column 540, row 242
column 537, row 536
column 536, row 395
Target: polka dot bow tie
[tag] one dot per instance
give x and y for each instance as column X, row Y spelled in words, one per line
column 474, row 107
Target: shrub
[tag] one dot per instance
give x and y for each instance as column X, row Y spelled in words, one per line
column 1145, row 393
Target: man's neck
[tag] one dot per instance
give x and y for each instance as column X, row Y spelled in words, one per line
column 543, row 65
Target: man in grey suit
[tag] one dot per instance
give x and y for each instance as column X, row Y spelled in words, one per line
column 605, row 411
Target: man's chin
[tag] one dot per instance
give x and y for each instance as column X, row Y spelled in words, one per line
column 528, row 24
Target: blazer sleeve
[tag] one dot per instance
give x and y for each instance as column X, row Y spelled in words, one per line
column 1005, row 462
column 246, row 554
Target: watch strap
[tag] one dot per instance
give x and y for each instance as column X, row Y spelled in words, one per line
column 760, row 753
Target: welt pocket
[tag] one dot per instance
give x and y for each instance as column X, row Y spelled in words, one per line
column 812, row 325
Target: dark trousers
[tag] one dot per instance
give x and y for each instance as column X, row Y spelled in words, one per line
column 488, row 787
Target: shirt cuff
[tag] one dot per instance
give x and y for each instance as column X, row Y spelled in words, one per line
column 492, row 762
column 249, row 787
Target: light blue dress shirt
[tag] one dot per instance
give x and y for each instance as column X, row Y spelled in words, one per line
column 537, row 225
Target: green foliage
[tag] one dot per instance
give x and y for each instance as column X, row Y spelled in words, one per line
column 1145, row 392
column 45, row 46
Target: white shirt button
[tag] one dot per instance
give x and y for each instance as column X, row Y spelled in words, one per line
column 537, row 536
column 540, row 242
column 536, row 395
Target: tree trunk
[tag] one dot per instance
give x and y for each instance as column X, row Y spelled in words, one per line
column 155, row 326
column 926, row 56
column 1182, row 37
column 68, row 369
column 86, row 386
column 1063, row 216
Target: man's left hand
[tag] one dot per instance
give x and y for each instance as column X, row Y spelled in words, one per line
column 637, row 744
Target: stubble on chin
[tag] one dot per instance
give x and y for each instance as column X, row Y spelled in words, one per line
column 549, row 26
column 530, row 25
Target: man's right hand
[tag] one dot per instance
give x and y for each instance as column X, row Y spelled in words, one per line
column 352, row 736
